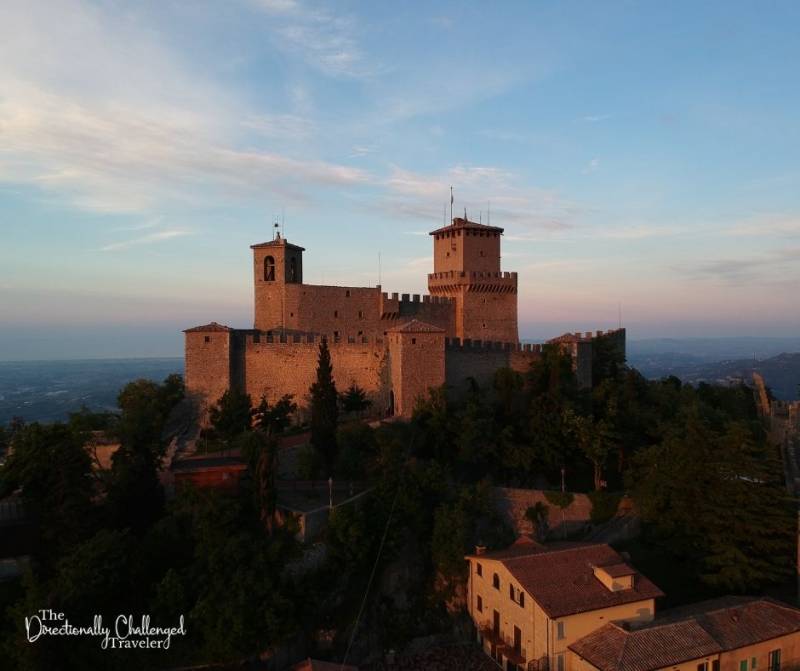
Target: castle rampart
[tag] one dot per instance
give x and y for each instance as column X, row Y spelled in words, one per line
column 392, row 345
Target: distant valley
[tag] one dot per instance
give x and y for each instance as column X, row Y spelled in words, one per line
column 722, row 361
column 49, row 390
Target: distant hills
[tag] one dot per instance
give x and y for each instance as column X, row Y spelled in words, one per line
column 49, row 390
column 722, row 361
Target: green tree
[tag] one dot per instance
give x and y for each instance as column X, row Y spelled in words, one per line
column 135, row 497
column 50, row 465
column 324, row 409
column 717, row 500
column 231, row 415
column 538, row 515
column 354, row 399
column 270, row 422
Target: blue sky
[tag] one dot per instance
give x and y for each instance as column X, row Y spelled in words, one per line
column 641, row 153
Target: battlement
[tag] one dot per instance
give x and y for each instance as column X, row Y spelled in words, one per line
column 475, row 275
column 417, row 298
column 281, row 338
column 467, row 345
column 586, row 336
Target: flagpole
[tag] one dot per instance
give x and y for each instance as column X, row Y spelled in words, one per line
column 451, row 204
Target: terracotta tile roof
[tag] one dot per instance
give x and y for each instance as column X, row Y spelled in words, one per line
column 560, row 577
column 316, row 665
column 280, row 242
column 460, row 222
column 213, row 326
column 416, row 326
column 686, row 634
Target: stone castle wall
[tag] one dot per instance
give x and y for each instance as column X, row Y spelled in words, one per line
column 347, row 311
column 272, row 369
column 480, row 360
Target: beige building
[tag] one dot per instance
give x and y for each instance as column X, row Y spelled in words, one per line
column 530, row 602
column 728, row 634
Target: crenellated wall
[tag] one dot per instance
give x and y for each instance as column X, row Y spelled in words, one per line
column 274, row 366
column 480, row 360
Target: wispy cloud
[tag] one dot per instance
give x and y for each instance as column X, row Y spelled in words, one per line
column 132, row 148
column 595, row 118
column 481, row 189
column 149, row 239
column 281, row 126
column 325, row 40
column 762, row 268
column 768, row 225
column 591, row 166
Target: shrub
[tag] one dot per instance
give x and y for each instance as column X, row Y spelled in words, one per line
column 560, row 499
column 604, row 505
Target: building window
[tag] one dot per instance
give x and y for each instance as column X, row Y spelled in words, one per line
column 347, row 293
column 560, row 633
column 207, row 338
column 702, row 666
column 560, row 665
column 335, row 313
column 336, row 336
column 743, row 665
column 715, row 665
column 522, row 599
column 511, row 591
column 478, row 566
column 753, row 663
column 256, row 337
column 269, row 269
column 517, row 639
column 775, row 660
column 360, row 314
column 413, row 341
column 496, row 581
column 480, row 605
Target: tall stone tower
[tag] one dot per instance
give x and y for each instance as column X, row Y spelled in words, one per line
column 466, row 267
column 276, row 264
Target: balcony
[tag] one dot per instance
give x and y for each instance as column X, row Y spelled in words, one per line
column 503, row 644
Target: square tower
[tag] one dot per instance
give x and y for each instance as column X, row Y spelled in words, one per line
column 466, row 267
column 275, row 264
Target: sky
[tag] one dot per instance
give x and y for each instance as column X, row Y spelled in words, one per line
column 641, row 156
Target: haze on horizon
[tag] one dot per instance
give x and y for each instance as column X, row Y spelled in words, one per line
column 642, row 154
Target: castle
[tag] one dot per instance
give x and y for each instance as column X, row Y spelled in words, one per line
column 395, row 347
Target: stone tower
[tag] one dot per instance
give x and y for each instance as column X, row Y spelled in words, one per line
column 276, row 263
column 417, row 357
column 466, row 267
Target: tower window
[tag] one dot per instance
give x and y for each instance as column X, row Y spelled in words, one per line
column 413, row 341
column 360, row 314
column 293, row 269
column 269, row 269
column 207, row 339
column 335, row 313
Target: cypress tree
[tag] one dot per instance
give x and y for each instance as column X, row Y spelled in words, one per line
column 324, row 408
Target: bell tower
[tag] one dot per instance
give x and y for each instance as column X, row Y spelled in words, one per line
column 466, row 267
column 276, row 263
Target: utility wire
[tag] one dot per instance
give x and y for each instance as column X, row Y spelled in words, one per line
column 378, row 556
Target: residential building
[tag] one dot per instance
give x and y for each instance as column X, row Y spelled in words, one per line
column 530, row 602
column 727, row 634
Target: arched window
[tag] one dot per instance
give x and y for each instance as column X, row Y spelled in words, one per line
column 269, row 269
column 293, row 269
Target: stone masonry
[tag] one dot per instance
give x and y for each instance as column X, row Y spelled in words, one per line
column 394, row 346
